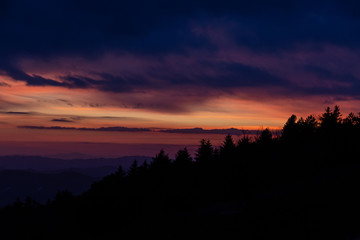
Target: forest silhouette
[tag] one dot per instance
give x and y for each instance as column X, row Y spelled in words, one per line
column 301, row 184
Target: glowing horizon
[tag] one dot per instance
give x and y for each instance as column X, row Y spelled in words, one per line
column 239, row 65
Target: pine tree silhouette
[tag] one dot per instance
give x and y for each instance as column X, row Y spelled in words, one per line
column 204, row 154
column 227, row 150
column 183, row 158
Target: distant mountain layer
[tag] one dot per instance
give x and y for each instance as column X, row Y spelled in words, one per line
column 41, row 177
column 231, row 131
column 52, row 164
column 39, row 186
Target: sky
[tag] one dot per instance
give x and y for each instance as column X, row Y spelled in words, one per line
column 125, row 72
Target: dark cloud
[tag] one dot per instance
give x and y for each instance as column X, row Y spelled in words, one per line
column 83, row 27
column 45, row 30
column 326, row 74
column 89, row 28
column 334, row 83
column 231, row 131
column 67, row 102
column 230, row 75
column 61, row 120
column 223, row 75
column 121, row 84
column 18, row 113
column 77, row 81
column 102, row 129
column 31, row 80
column 3, row 84
column 52, row 127
column 106, row 82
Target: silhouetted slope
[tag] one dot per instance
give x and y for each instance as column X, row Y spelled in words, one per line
column 41, row 178
column 300, row 185
column 39, row 186
column 39, row 163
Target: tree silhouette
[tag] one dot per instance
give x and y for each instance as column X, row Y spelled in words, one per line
column 243, row 149
column 290, row 130
column 265, row 137
column 204, row 154
column 133, row 170
column 143, row 168
column 245, row 140
column 331, row 119
column 183, row 158
column 227, row 150
column 311, row 124
column 352, row 120
column 161, row 160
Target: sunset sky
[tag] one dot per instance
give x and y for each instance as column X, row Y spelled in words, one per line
column 122, row 72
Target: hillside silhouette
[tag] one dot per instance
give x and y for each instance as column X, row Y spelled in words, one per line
column 40, row 186
column 41, row 177
column 302, row 184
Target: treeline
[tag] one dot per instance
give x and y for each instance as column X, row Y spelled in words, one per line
column 301, row 184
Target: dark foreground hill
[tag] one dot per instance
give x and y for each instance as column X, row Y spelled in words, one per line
column 41, row 178
column 301, row 185
column 39, row 186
